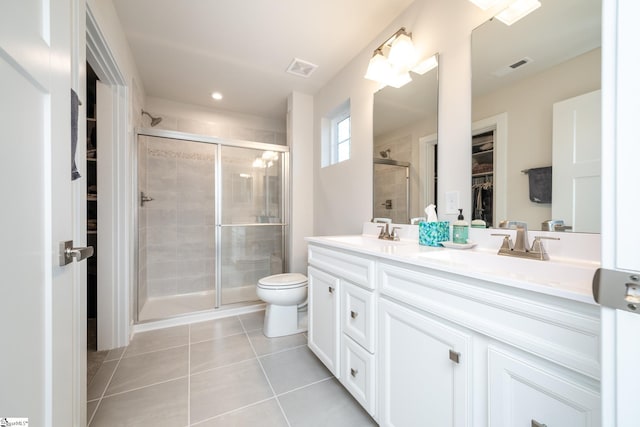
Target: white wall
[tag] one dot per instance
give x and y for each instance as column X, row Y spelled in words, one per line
column 300, row 141
column 343, row 192
column 211, row 122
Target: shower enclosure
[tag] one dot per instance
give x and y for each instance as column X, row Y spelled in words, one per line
column 391, row 190
column 211, row 221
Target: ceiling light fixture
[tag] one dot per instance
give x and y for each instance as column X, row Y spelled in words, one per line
column 511, row 10
column 393, row 59
column 217, row 96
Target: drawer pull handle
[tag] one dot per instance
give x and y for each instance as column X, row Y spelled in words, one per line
column 454, row 356
column 354, row 314
column 354, row 373
column 535, row 423
column 330, row 289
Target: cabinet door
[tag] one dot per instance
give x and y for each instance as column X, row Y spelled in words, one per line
column 424, row 370
column 524, row 394
column 324, row 333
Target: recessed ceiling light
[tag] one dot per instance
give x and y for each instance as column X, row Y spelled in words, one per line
column 217, row 96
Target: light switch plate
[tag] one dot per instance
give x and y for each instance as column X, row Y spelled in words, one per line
column 452, row 202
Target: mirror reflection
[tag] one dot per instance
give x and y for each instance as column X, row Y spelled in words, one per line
column 536, row 118
column 405, row 124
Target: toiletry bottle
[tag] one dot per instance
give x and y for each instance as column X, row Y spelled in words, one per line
column 460, row 230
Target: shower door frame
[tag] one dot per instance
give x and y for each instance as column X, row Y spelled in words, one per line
column 219, row 142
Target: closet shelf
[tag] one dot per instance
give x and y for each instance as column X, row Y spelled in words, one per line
column 482, row 174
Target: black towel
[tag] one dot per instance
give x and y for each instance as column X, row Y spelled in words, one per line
column 74, row 134
column 540, row 185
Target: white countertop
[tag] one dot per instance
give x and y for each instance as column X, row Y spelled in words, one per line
column 570, row 279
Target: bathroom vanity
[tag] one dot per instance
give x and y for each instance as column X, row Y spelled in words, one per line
column 445, row 337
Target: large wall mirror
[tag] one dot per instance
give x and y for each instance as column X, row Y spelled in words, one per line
column 536, row 106
column 405, row 122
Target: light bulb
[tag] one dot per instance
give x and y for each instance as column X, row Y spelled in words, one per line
column 402, row 54
column 379, row 68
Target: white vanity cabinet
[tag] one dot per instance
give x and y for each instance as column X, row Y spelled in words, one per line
column 535, row 358
column 419, row 345
column 342, row 319
column 522, row 392
column 424, row 369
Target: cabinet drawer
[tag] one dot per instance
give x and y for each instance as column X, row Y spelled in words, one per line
column 522, row 393
column 358, row 315
column 358, row 374
column 356, row 269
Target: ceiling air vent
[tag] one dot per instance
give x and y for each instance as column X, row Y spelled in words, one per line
column 301, row 68
column 510, row 68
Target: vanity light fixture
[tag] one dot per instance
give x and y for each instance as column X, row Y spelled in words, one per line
column 511, row 10
column 427, row 65
column 393, row 59
column 486, row 4
column 517, row 10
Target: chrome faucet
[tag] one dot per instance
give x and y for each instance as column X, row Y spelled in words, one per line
column 521, row 248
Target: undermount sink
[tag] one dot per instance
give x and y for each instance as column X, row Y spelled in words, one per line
column 552, row 273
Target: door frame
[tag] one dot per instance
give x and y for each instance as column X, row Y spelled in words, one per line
column 620, row 348
column 115, row 250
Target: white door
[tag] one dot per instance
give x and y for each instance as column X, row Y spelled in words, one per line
column 576, row 161
column 36, row 317
column 620, row 206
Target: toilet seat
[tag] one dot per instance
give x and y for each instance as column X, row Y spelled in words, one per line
column 283, row 281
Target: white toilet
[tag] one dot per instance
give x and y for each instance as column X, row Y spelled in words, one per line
column 282, row 293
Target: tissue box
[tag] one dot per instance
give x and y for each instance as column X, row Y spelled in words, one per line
column 432, row 233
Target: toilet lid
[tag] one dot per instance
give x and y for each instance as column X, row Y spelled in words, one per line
column 286, row 280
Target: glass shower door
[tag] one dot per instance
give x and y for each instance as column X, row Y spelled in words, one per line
column 176, row 227
column 251, row 244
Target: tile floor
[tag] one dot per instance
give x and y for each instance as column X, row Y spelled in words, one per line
column 218, row 373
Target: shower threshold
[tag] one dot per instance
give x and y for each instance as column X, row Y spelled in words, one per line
column 158, row 308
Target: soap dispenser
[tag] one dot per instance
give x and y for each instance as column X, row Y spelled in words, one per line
column 460, row 230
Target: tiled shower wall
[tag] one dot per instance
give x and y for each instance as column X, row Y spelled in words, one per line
column 390, row 181
column 180, row 221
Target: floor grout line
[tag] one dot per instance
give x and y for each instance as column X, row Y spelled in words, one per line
column 234, row 410
column 145, row 386
column 305, row 386
column 281, row 351
column 189, row 380
column 102, row 395
column 268, row 380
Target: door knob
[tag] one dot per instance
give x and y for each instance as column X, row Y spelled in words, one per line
column 68, row 253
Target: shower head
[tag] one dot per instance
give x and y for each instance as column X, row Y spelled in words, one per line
column 386, row 153
column 154, row 120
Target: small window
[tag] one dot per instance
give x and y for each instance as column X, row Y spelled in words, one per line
column 336, row 135
column 341, row 144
